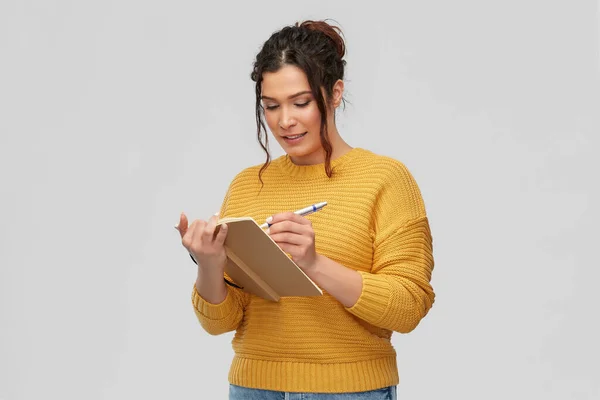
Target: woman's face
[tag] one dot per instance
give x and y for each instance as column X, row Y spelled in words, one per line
column 292, row 114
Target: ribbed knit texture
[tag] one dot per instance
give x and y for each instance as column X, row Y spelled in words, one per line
column 375, row 223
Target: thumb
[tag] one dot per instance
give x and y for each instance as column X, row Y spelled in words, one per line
column 182, row 226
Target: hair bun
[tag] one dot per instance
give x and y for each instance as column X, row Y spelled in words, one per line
column 333, row 32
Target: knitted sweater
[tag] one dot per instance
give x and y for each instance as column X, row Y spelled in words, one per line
column 374, row 223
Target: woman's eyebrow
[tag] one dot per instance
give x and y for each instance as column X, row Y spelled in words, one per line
column 289, row 97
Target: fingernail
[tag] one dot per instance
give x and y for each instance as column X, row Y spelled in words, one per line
column 269, row 220
column 176, row 227
column 217, row 213
column 268, row 231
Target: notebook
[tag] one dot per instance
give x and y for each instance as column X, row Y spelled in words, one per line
column 259, row 266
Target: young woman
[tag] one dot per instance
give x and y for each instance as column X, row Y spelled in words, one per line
column 369, row 250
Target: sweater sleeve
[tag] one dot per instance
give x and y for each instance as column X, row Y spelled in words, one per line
column 227, row 315
column 396, row 293
column 223, row 317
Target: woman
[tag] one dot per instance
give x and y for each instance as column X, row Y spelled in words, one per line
column 369, row 250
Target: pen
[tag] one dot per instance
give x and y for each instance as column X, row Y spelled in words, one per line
column 304, row 211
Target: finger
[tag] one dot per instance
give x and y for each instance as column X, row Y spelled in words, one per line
column 209, row 230
column 290, row 249
column 188, row 237
column 284, row 226
column 289, row 226
column 289, row 238
column 290, row 216
column 197, row 241
column 221, row 235
column 199, row 226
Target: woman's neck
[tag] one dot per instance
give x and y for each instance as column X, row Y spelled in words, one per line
column 338, row 145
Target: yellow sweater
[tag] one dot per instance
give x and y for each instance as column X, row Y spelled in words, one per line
column 374, row 223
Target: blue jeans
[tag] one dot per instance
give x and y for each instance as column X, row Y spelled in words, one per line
column 242, row 393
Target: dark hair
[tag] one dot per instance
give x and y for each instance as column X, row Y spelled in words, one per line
column 317, row 48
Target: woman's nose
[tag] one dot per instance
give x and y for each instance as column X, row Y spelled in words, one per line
column 286, row 120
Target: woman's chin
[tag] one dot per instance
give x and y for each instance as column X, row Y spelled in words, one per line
column 295, row 151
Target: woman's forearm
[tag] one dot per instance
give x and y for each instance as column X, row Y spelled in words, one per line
column 341, row 282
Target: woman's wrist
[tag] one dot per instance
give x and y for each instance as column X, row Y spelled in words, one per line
column 210, row 284
column 313, row 270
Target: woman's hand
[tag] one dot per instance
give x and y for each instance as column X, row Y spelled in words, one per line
column 295, row 235
column 201, row 242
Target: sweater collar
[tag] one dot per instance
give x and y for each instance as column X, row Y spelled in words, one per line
column 315, row 170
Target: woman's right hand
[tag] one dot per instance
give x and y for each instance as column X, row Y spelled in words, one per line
column 201, row 242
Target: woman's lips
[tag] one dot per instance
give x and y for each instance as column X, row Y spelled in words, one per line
column 292, row 139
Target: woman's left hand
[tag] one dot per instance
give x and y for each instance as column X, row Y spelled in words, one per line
column 295, row 235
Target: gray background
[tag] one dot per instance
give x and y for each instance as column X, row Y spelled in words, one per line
column 115, row 116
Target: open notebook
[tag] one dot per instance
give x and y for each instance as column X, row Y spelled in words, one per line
column 257, row 265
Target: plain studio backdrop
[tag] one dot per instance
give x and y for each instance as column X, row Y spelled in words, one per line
column 115, row 116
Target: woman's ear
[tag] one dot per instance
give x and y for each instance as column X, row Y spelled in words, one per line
column 338, row 93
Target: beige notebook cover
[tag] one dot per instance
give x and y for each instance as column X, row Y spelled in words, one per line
column 259, row 266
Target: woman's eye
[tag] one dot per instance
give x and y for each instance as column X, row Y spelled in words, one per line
column 275, row 106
